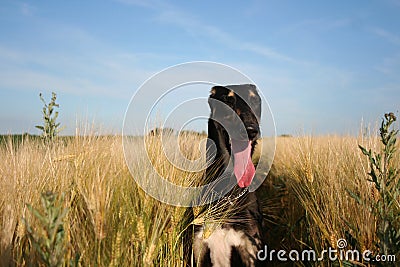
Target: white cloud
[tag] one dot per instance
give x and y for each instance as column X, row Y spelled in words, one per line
column 266, row 52
column 188, row 22
column 317, row 25
column 390, row 65
column 142, row 3
column 386, row 35
column 109, row 72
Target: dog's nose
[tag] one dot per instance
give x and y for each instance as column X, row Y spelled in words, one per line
column 252, row 131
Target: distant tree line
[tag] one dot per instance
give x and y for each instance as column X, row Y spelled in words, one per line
column 171, row 131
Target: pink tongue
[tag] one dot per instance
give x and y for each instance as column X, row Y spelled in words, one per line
column 243, row 167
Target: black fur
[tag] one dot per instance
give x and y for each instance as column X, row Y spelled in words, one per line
column 247, row 218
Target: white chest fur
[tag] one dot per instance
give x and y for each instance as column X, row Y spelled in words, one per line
column 220, row 243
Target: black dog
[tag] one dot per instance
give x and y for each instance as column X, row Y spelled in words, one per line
column 231, row 232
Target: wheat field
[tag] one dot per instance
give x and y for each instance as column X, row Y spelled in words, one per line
column 110, row 221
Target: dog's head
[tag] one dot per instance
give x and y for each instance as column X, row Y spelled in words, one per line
column 236, row 109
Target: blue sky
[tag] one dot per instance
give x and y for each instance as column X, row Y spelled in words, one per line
column 323, row 66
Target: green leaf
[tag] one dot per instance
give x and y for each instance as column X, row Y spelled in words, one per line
column 364, row 151
column 354, row 196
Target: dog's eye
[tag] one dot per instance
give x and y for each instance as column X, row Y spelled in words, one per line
column 230, row 100
column 254, row 99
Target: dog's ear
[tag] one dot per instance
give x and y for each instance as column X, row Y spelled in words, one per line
column 223, row 94
column 213, row 91
column 216, row 90
column 216, row 93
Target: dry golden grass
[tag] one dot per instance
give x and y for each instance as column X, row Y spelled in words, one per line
column 112, row 222
column 318, row 172
column 306, row 199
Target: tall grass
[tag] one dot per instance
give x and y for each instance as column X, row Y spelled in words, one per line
column 318, row 173
column 112, row 222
